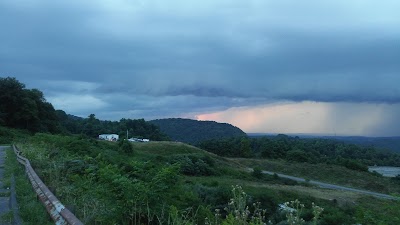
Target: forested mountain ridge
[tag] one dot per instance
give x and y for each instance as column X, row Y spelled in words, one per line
column 194, row 131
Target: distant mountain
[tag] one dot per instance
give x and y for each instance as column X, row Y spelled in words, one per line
column 193, row 131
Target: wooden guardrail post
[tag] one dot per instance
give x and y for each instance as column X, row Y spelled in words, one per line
column 58, row 212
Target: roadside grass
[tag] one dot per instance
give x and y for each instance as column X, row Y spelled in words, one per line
column 8, row 135
column 92, row 202
column 168, row 148
column 161, row 151
column 268, row 186
column 375, row 211
column 164, row 148
column 31, row 209
column 327, row 173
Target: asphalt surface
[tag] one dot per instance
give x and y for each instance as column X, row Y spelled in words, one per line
column 4, row 192
column 333, row 186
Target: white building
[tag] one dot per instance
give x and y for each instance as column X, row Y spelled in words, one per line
column 109, row 137
column 138, row 140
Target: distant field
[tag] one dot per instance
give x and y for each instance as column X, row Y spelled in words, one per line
column 327, row 173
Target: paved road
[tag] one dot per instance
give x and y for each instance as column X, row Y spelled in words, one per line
column 4, row 192
column 333, row 186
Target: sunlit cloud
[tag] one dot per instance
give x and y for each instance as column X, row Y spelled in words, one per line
column 312, row 118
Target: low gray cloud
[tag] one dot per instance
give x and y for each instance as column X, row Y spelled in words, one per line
column 162, row 59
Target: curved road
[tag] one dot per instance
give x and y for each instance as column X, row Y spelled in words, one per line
column 332, row 186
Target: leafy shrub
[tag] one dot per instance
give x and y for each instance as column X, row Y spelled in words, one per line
column 355, row 165
column 79, row 146
column 125, row 146
column 396, row 178
column 297, row 156
column 217, row 196
column 194, row 165
column 74, row 167
column 257, row 172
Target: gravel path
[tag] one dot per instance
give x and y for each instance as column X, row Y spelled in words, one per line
column 333, row 186
column 4, row 192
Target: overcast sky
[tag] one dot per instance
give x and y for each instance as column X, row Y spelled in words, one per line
column 311, row 66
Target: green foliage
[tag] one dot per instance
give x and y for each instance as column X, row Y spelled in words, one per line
column 31, row 210
column 330, row 173
column 294, row 210
column 303, row 150
column 125, row 146
column 231, row 147
column 297, row 156
column 194, row 132
column 92, row 127
column 28, row 109
column 103, row 185
column 25, row 108
column 377, row 212
column 257, row 172
column 107, row 186
column 8, row 135
column 194, row 164
column 354, row 165
column 396, row 179
column 384, row 143
column 214, row 195
column 239, row 212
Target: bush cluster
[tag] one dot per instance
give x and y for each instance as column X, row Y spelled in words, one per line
column 194, row 164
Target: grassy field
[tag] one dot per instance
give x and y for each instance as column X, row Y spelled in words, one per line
column 366, row 208
column 95, row 178
column 327, row 173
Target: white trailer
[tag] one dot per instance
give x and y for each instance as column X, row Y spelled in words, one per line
column 109, row 137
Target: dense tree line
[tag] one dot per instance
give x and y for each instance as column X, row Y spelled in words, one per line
column 391, row 143
column 230, row 147
column 92, row 127
column 28, row 109
column 194, row 132
column 304, row 150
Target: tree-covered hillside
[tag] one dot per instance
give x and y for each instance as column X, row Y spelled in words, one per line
column 194, row 132
column 307, row 150
column 27, row 109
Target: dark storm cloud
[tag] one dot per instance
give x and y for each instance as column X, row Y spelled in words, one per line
column 156, row 59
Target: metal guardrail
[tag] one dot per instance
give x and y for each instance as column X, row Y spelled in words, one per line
column 58, row 212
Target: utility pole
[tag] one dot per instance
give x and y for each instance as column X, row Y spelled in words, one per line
column 127, row 137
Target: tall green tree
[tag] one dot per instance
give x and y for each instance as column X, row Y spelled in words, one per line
column 26, row 108
column 11, row 98
column 245, row 147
